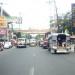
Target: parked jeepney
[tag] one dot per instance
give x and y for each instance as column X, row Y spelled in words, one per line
column 59, row 42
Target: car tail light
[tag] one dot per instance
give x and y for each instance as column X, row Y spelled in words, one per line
column 45, row 42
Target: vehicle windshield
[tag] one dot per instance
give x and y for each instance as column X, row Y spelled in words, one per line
column 21, row 39
column 61, row 37
column 37, row 37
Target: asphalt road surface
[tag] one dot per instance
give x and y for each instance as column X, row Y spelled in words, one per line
column 35, row 61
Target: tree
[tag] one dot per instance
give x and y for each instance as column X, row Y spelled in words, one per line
column 38, row 37
column 64, row 22
column 28, row 36
column 60, row 21
column 67, row 22
column 18, row 35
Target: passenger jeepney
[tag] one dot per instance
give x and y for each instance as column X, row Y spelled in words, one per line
column 59, row 42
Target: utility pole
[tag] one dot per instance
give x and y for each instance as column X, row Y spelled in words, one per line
column 19, row 20
column 56, row 10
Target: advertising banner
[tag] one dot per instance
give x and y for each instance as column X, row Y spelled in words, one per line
column 2, row 21
column 3, row 31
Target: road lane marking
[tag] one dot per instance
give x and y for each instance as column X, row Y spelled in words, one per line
column 32, row 71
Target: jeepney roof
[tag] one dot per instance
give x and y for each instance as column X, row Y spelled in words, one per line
column 56, row 34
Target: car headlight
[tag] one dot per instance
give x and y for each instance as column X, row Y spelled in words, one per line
column 54, row 47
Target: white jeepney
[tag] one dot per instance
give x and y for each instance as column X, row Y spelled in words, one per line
column 59, row 42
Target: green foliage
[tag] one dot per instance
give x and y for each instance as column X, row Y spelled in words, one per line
column 39, row 36
column 18, row 35
column 28, row 36
column 65, row 22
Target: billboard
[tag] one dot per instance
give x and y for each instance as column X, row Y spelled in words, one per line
column 2, row 21
column 3, row 31
column 14, row 19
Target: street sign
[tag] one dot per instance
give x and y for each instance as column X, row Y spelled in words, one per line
column 17, row 20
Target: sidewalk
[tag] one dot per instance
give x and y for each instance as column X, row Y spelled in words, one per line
column 6, row 51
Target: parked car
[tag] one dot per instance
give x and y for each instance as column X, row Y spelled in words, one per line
column 21, row 42
column 7, row 44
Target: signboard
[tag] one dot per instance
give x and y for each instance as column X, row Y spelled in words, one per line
column 2, row 21
column 3, row 31
column 15, row 19
column 19, row 20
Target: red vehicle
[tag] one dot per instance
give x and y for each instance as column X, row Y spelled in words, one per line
column 41, row 43
column 45, row 43
column 13, row 42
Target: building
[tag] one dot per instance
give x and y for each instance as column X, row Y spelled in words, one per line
column 3, row 24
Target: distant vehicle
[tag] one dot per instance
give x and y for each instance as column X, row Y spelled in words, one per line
column 21, row 42
column 41, row 43
column 27, row 41
column 1, row 46
column 59, row 42
column 45, row 43
column 33, row 42
column 7, row 44
column 13, row 42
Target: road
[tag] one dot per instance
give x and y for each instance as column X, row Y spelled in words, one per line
column 35, row 61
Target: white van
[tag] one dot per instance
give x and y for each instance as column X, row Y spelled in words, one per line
column 33, row 42
column 21, row 42
column 59, row 42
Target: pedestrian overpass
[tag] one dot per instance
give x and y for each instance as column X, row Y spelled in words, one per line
column 34, row 31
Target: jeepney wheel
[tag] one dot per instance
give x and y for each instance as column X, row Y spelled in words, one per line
column 52, row 51
column 1, row 49
column 55, row 51
column 49, row 49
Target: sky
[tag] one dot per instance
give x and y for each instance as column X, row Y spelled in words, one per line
column 35, row 14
